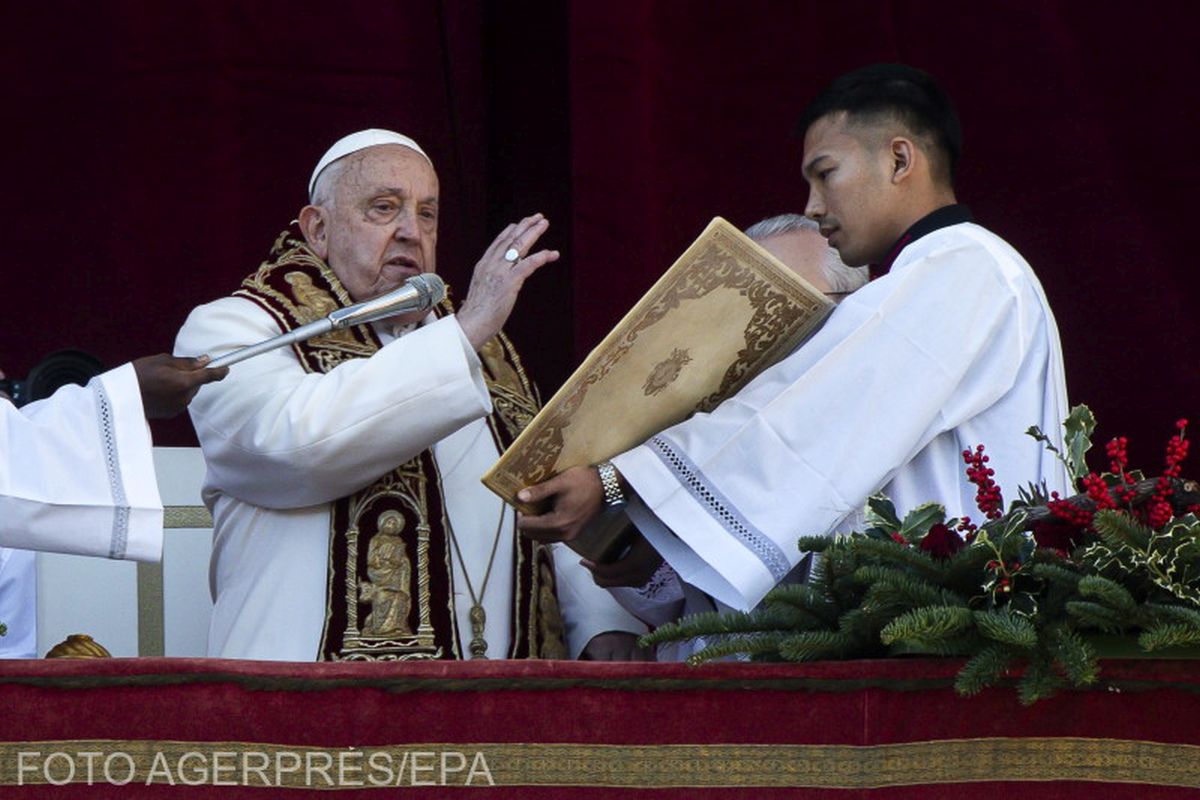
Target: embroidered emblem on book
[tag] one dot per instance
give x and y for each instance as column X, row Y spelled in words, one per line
column 666, row 371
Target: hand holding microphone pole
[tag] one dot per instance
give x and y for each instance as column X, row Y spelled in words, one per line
column 419, row 293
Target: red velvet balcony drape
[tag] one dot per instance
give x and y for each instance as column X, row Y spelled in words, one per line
column 871, row 729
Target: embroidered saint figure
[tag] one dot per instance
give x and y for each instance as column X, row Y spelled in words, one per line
column 389, row 572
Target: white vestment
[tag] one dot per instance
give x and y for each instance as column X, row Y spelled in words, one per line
column 282, row 444
column 18, row 603
column 77, row 472
column 955, row 347
column 76, row 476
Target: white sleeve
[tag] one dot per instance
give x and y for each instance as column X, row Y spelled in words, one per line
column 77, row 472
column 278, row 437
column 18, row 603
column 587, row 609
column 728, row 494
column 656, row 603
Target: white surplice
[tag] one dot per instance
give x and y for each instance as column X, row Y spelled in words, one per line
column 282, row 444
column 956, row 346
column 77, row 472
column 76, row 476
column 18, row 603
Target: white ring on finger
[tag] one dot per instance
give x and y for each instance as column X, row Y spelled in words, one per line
column 512, row 255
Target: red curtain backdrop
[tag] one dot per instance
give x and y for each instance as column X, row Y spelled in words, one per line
column 1077, row 120
column 152, row 151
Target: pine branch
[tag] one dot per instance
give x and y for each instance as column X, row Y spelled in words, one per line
column 890, row 597
column 1006, row 628
column 966, row 644
column 1075, row 656
column 926, row 625
column 1161, row 613
column 892, row 552
column 962, row 570
column 1053, row 573
column 891, row 587
column 763, row 645
column 819, row 579
column 805, row 598
column 1117, row 528
column 1168, row 635
column 858, row 624
column 1094, row 615
column 816, row 645
column 984, row 669
column 713, row 623
column 815, row 544
column 1039, row 682
column 1108, row 592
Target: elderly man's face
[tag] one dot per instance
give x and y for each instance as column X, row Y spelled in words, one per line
column 850, row 191
column 381, row 227
column 803, row 251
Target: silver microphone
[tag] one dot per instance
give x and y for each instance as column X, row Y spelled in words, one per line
column 419, row 293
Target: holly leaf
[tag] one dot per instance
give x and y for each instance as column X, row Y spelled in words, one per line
column 881, row 512
column 1023, row 603
column 921, row 519
column 1026, row 550
column 1078, row 428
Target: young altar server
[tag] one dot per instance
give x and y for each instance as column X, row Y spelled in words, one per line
column 951, row 345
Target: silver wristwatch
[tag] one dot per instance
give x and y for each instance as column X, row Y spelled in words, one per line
column 613, row 496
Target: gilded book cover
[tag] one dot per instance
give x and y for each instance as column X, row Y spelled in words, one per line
column 725, row 311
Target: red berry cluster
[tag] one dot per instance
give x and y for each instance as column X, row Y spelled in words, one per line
column 1158, row 509
column 987, row 495
column 967, row 528
column 1068, row 512
column 1158, row 513
column 1118, row 454
column 1177, row 450
column 1005, row 574
column 1097, row 490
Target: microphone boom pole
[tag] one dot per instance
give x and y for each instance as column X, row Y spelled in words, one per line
column 419, row 293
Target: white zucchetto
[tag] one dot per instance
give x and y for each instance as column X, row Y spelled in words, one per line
column 361, row 140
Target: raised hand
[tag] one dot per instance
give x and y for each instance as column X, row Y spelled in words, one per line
column 497, row 279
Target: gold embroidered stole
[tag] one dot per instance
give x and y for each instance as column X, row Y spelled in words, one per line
column 389, row 594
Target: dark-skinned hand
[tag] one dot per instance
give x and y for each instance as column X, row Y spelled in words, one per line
column 169, row 383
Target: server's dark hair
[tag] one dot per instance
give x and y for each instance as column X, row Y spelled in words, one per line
column 899, row 91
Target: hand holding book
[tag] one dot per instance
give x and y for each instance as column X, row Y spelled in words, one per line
column 664, row 361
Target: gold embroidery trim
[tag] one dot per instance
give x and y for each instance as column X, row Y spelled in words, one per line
column 186, row 517
column 596, row 765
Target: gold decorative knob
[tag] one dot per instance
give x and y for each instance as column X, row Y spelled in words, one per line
column 78, row 645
